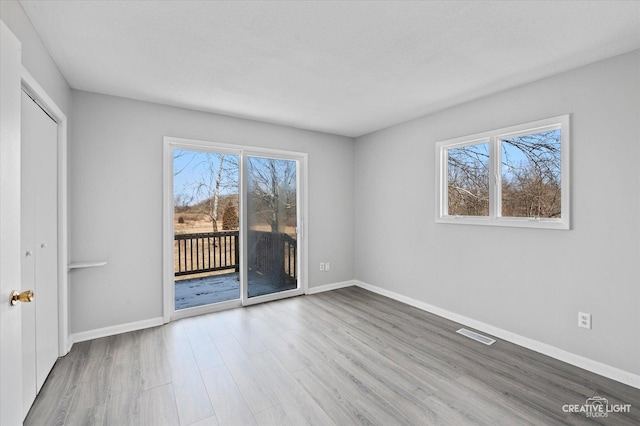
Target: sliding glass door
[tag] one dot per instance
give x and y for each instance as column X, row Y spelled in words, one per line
column 206, row 243
column 233, row 226
column 271, row 226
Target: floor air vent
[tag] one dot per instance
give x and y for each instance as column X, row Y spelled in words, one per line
column 475, row 336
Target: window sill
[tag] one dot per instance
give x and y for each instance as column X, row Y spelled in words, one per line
column 506, row 222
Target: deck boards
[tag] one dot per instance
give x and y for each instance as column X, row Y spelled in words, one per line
column 343, row 357
column 216, row 288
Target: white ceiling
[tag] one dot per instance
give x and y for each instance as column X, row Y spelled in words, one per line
column 343, row 67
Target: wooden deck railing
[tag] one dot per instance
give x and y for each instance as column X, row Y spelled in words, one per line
column 273, row 253
column 206, row 252
column 269, row 253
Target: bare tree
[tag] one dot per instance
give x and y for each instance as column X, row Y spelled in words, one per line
column 531, row 185
column 178, row 153
column 468, row 180
column 181, row 201
column 219, row 173
column 531, row 174
column 181, row 198
column 272, row 190
column 271, row 200
column 210, row 188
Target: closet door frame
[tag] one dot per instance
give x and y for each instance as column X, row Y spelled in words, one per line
column 38, row 94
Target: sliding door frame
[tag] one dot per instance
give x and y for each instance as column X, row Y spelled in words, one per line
column 301, row 190
column 242, row 151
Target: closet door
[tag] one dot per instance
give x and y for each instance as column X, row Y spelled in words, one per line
column 46, row 247
column 28, row 264
column 39, row 228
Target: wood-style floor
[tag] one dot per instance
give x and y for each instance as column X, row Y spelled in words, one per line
column 343, row 357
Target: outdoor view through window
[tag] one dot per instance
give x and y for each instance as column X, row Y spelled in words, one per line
column 207, row 240
column 530, row 177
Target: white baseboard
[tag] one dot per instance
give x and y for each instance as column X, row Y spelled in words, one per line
column 115, row 329
column 596, row 367
column 154, row 322
column 68, row 342
column 332, row 286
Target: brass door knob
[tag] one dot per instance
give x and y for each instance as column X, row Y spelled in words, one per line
column 25, row 296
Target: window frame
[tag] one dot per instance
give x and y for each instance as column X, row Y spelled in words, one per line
column 494, row 139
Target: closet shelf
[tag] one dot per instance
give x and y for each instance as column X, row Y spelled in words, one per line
column 91, row 264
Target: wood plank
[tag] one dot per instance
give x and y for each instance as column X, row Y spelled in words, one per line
column 189, row 390
column 93, row 386
column 248, row 378
column 121, row 409
column 196, row 332
column 87, row 416
column 347, row 356
column 296, row 407
column 337, row 401
column 207, row 356
column 209, row 421
column 54, row 401
column 158, row 406
column 382, row 399
column 154, row 363
column 228, row 403
column 285, row 350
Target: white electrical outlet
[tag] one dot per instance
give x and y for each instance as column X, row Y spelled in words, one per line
column 584, row 320
column 322, row 266
column 327, row 266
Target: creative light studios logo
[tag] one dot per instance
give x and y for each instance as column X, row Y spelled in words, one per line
column 596, row 406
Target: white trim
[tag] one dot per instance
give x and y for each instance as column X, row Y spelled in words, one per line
column 273, row 296
column 329, row 287
column 40, row 96
column 98, row 333
column 228, row 147
column 242, row 225
column 167, row 230
column 170, row 143
column 493, row 138
column 301, row 160
column 205, row 309
column 10, row 271
column 588, row 364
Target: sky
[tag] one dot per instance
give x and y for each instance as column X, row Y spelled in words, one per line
column 192, row 167
column 512, row 159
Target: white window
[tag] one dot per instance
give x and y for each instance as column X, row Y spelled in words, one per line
column 516, row 176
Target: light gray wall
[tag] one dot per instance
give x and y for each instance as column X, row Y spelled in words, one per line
column 530, row 282
column 35, row 57
column 115, row 175
column 541, row 278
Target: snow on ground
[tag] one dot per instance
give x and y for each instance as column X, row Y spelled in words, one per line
column 221, row 288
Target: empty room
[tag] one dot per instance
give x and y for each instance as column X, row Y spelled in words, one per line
column 319, row 212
